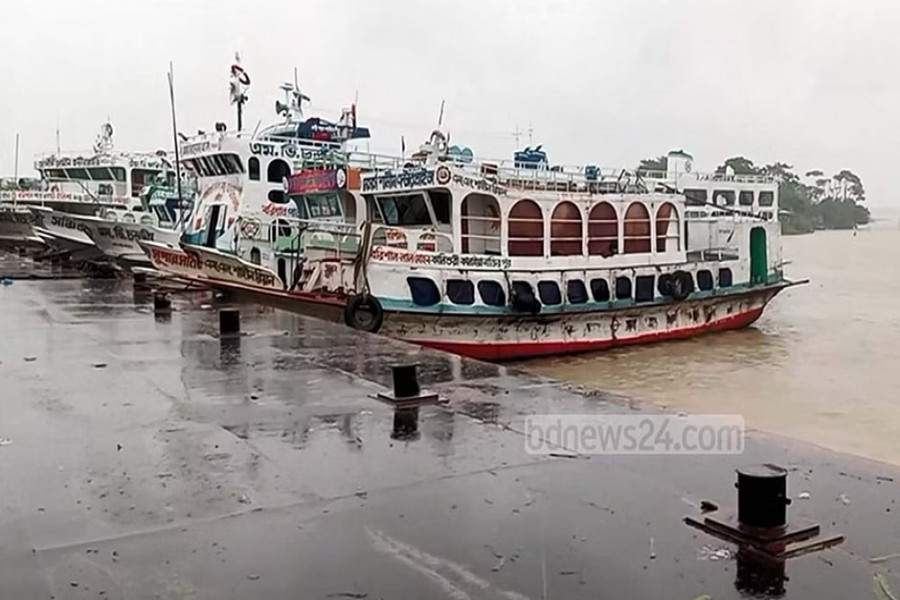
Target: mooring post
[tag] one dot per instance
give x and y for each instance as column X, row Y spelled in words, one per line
column 406, row 381
column 229, row 321
column 762, row 496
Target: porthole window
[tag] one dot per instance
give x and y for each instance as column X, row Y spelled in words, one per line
column 725, row 278
column 623, row 288
column 424, row 291
column 643, row 288
column 549, row 293
column 600, row 290
column 576, row 292
column 460, row 291
column 253, row 168
column 492, row 293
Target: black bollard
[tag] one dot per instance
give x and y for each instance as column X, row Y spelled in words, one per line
column 762, row 496
column 406, row 381
column 229, row 321
column 161, row 303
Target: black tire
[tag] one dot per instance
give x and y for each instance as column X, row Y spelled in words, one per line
column 364, row 313
column 682, row 284
column 664, row 285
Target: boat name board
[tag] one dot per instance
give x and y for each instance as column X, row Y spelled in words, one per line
column 120, row 233
column 281, row 210
column 286, row 150
column 175, row 258
column 195, row 148
column 441, row 259
column 64, row 222
column 144, row 162
column 397, row 181
column 240, row 272
column 478, row 184
column 310, row 181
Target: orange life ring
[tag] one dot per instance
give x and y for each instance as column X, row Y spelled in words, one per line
column 241, row 74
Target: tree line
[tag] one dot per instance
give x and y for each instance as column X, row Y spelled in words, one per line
column 813, row 201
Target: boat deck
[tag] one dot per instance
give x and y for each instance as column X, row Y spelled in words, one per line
column 146, row 457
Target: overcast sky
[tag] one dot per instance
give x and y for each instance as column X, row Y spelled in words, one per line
column 813, row 83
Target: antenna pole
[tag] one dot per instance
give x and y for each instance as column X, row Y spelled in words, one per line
column 441, row 115
column 16, row 171
column 175, row 138
column 57, row 135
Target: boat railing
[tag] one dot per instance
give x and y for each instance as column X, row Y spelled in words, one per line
column 51, row 196
column 411, row 239
column 89, row 158
column 656, row 174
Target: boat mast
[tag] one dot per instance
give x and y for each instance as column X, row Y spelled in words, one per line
column 175, row 138
column 16, row 173
column 239, row 82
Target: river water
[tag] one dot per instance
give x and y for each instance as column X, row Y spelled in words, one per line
column 821, row 365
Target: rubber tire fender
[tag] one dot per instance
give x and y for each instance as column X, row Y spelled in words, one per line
column 360, row 303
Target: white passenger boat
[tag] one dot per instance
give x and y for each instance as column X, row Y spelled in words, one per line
column 500, row 260
column 82, row 183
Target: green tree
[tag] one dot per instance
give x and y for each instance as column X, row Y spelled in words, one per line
column 740, row 165
column 660, row 163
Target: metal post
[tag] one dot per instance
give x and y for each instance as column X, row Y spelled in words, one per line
column 406, row 382
column 762, row 496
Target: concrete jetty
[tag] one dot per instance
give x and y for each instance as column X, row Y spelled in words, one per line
column 145, row 455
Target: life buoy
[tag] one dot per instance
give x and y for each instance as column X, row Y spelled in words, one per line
column 241, row 74
column 682, row 284
column 364, row 312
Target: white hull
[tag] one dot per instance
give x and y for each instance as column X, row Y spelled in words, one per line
column 119, row 240
column 17, row 228
column 508, row 337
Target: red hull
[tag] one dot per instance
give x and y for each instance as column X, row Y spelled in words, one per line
column 519, row 350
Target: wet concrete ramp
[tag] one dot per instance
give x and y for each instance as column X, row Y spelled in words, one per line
column 146, row 457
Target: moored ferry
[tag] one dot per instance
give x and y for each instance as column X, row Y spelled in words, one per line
column 507, row 260
column 244, row 208
column 81, row 183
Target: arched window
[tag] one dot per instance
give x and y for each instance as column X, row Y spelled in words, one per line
column 526, row 229
column 637, row 229
column 480, row 224
column 667, row 228
column 603, row 230
column 565, row 230
column 278, row 170
column 253, row 168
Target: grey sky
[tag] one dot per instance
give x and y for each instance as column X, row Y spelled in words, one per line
column 812, row 83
